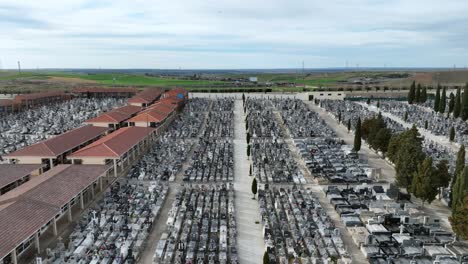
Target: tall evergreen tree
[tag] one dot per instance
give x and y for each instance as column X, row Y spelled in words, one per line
column 459, row 166
column 452, row 134
column 349, row 125
column 357, row 136
column 457, row 108
column 460, row 163
column 443, row 177
column 424, row 95
column 451, row 102
column 460, row 189
column 437, row 99
column 254, row 187
column 443, row 101
column 423, row 185
column 464, row 109
column 412, row 93
column 408, row 155
column 417, row 98
column 459, row 218
column 266, row 258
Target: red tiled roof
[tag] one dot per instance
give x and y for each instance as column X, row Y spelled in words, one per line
column 68, row 182
column 175, row 92
column 109, row 117
column 150, row 115
column 7, row 102
column 162, row 108
column 128, row 109
column 147, row 96
column 21, row 220
column 103, row 90
column 33, row 206
column 39, row 95
column 10, row 173
column 115, row 144
column 60, row 144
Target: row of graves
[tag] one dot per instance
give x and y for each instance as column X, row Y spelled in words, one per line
column 332, row 160
column 21, row 129
column 298, row 119
column 213, row 155
column 273, row 163
column 212, row 160
column 389, row 229
column 296, row 227
column 164, row 160
column 351, row 110
column 201, row 227
column 116, row 228
column 437, row 123
column 272, row 160
column 261, row 122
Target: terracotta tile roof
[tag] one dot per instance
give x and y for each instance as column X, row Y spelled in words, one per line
column 60, row 144
column 7, row 102
column 113, row 117
column 116, row 144
column 162, row 108
column 20, row 220
column 103, row 90
column 10, row 173
column 39, row 95
column 176, row 92
column 150, row 115
column 37, row 202
column 128, row 109
column 147, row 96
column 66, row 184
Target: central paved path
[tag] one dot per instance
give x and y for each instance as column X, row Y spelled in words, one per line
column 249, row 237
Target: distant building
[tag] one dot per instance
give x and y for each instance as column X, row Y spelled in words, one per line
column 253, row 79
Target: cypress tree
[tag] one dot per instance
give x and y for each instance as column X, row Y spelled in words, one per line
column 443, row 176
column 460, row 188
column 406, row 116
column 254, row 187
column 349, row 124
column 418, row 94
column 457, row 107
column 368, row 101
column 378, row 104
column 464, row 109
column 248, row 150
column 459, row 167
column 452, row 134
column 357, row 136
column 406, row 152
column 411, row 93
column 443, row 101
column 459, row 218
column 451, row 103
column 425, row 124
column 339, row 117
column 460, row 163
column 266, row 258
column 437, row 99
column 423, row 185
column 424, row 95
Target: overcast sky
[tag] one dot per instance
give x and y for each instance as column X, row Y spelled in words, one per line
column 244, row 34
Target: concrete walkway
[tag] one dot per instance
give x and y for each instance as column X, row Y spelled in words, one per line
column 250, row 242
